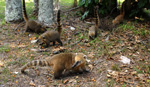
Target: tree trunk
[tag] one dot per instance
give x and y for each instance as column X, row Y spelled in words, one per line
column 36, row 7
column 113, row 5
column 75, row 3
column 46, row 12
column 13, row 11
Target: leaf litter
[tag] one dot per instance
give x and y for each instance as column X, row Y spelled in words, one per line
column 105, row 61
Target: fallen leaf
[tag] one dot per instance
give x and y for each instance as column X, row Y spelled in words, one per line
column 88, row 44
column 72, row 81
column 65, row 81
column 22, row 46
column 34, row 41
column 141, row 76
column 32, row 83
column 72, row 28
column 134, row 72
column 41, row 86
column 91, row 67
column 1, row 63
column 124, row 60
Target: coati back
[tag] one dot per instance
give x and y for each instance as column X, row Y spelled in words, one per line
column 93, row 29
column 120, row 17
column 52, row 35
column 31, row 26
column 60, row 62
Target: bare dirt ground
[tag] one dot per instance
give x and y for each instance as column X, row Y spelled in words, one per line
column 104, row 52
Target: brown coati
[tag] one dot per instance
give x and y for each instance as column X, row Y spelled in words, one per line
column 93, row 29
column 61, row 62
column 31, row 26
column 120, row 17
column 52, row 35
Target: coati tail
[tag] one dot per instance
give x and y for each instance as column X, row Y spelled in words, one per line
column 122, row 11
column 96, row 17
column 24, row 11
column 35, row 63
column 58, row 21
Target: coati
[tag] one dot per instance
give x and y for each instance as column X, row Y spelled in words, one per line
column 52, row 35
column 61, row 62
column 31, row 26
column 93, row 29
column 120, row 17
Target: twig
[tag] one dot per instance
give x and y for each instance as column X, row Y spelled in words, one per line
column 18, row 26
column 71, row 9
column 75, row 43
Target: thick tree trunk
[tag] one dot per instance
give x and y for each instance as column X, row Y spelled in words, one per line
column 45, row 14
column 13, row 11
column 75, row 3
column 36, row 7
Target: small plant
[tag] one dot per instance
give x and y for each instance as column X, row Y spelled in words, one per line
column 116, row 67
column 5, row 48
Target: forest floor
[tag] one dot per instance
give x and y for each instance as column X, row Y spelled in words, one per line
column 130, row 39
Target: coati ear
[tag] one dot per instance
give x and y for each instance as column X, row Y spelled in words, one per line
column 76, row 64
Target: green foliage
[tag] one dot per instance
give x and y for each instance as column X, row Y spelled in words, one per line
column 139, row 6
column 89, row 7
column 4, row 48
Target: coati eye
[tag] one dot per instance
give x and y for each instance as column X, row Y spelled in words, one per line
column 85, row 57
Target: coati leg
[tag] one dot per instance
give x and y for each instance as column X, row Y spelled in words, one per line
column 78, row 70
column 59, row 41
column 27, row 28
column 84, row 69
column 96, row 34
column 47, row 45
column 58, row 69
column 53, row 43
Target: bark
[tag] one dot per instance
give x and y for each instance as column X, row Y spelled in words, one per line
column 75, row 3
column 13, row 11
column 113, row 5
column 36, row 7
column 45, row 14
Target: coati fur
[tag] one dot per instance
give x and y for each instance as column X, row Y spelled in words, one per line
column 120, row 17
column 52, row 35
column 61, row 62
column 31, row 25
column 93, row 29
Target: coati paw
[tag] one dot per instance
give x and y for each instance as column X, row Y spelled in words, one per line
column 87, row 71
column 56, row 77
column 24, row 72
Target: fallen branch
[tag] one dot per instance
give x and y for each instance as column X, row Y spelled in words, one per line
column 18, row 26
column 75, row 43
column 71, row 9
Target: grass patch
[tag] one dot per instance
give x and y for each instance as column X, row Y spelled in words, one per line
column 116, row 67
column 2, row 11
column 66, row 2
column 130, row 27
column 5, row 48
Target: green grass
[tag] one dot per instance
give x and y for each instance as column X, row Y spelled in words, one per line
column 116, row 67
column 66, row 2
column 2, row 11
column 131, row 27
column 4, row 48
